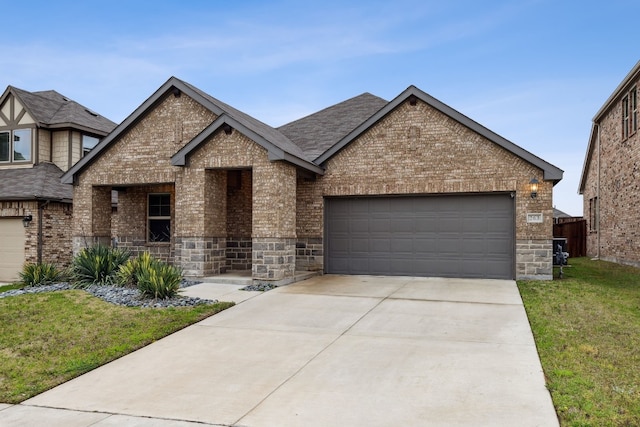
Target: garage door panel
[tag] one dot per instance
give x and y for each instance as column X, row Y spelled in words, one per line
column 12, row 242
column 449, row 236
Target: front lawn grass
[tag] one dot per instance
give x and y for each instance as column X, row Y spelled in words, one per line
column 587, row 331
column 49, row 338
column 10, row 286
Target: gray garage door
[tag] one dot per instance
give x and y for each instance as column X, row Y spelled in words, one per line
column 12, row 239
column 439, row 236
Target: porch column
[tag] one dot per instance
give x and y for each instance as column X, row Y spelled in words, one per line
column 92, row 219
column 201, row 221
column 274, row 223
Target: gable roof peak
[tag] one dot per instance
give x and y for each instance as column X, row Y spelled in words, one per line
column 551, row 172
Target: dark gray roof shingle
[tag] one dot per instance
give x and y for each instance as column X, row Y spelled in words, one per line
column 39, row 182
column 272, row 135
column 51, row 108
column 316, row 133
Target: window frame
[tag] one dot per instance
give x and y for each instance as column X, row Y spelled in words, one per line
column 85, row 148
column 633, row 111
column 11, row 153
column 151, row 218
column 629, row 113
column 593, row 215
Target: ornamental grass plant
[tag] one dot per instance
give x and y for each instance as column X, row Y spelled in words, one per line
column 97, row 265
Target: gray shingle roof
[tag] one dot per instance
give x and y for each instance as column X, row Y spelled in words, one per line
column 272, row 135
column 39, row 182
column 51, row 109
column 316, row 133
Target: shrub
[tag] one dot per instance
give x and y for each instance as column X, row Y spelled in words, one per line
column 97, row 265
column 160, row 280
column 40, row 274
column 128, row 272
column 152, row 277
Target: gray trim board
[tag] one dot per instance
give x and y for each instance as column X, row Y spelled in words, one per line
column 241, row 120
column 275, row 153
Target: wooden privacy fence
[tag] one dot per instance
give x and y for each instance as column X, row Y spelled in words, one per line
column 576, row 234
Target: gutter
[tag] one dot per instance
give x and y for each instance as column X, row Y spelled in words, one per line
column 41, row 206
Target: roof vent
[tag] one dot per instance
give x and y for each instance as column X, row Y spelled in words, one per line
column 91, row 112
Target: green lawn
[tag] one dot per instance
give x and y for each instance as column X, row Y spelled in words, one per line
column 587, row 330
column 49, row 338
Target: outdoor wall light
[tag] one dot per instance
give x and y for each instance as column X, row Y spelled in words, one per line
column 533, row 184
column 26, row 220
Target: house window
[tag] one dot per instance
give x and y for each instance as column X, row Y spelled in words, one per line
column 159, row 218
column 633, row 107
column 593, row 214
column 15, row 146
column 88, row 143
column 630, row 113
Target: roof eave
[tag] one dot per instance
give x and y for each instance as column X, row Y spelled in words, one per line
column 630, row 77
column 170, row 85
column 11, row 89
column 274, row 152
column 593, row 136
column 69, row 125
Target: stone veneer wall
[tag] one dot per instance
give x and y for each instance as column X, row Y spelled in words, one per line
column 309, row 254
column 273, row 259
column 201, row 256
column 418, row 150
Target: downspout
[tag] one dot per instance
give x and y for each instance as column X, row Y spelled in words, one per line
column 41, row 206
column 598, row 198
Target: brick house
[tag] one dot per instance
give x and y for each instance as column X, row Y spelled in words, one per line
column 367, row 186
column 41, row 135
column 610, row 182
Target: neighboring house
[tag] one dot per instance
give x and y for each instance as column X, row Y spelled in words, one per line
column 367, row 186
column 559, row 216
column 41, row 135
column 610, row 182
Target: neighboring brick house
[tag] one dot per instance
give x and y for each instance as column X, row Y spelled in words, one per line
column 41, row 135
column 610, row 182
column 367, row 186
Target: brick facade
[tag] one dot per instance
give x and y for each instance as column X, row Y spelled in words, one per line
column 612, row 178
column 418, row 150
column 53, row 220
column 234, row 207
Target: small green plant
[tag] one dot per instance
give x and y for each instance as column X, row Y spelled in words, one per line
column 154, row 278
column 40, row 274
column 97, row 265
column 128, row 272
column 159, row 280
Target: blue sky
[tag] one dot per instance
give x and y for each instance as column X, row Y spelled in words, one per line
column 533, row 71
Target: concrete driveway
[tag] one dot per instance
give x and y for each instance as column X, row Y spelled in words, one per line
column 328, row 351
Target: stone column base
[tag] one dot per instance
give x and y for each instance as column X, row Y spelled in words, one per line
column 274, row 260
column 81, row 242
column 200, row 256
column 309, row 254
column 534, row 259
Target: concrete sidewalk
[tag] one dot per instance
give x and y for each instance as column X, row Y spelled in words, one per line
column 331, row 350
